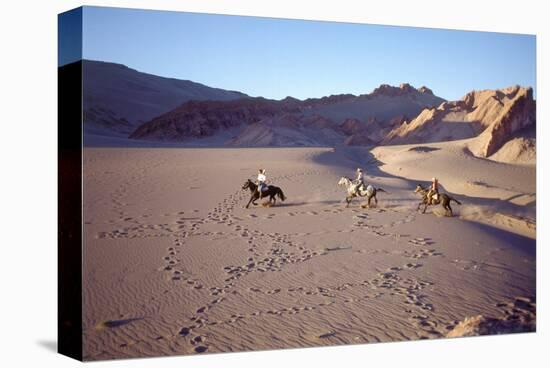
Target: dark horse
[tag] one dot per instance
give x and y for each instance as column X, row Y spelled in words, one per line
column 442, row 198
column 270, row 192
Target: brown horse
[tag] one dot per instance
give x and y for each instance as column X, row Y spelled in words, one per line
column 442, row 198
column 270, row 192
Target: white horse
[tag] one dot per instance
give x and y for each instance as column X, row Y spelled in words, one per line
column 354, row 191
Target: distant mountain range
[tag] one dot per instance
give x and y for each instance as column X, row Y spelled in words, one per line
column 122, row 102
column 118, row 99
column 292, row 122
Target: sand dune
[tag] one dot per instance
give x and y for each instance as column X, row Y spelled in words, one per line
column 175, row 265
column 520, row 150
column 499, row 194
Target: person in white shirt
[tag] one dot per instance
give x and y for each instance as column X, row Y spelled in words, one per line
column 359, row 183
column 261, row 181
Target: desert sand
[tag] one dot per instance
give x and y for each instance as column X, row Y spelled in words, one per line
column 496, row 193
column 175, row 265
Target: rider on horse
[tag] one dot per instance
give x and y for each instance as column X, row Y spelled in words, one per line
column 433, row 193
column 262, row 179
column 359, row 183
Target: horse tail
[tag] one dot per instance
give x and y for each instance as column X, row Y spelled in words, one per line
column 381, row 190
column 281, row 194
column 452, row 199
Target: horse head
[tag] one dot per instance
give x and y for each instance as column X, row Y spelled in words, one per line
column 249, row 184
column 344, row 181
column 419, row 189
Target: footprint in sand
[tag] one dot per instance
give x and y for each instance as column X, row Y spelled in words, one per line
column 198, row 340
column 421, row 241
column 185, row 331
column 521, row 308
column 422, row 254
column 202, row 310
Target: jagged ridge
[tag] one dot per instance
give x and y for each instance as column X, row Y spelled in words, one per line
column 494, row 116
column 374, row 114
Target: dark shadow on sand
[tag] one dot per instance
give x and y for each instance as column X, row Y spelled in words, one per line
column 296, row 204
column 120, row 322
column 347, row 159
column 303, row 203
column 518, row 242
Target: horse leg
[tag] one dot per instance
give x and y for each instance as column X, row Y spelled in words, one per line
column 425, row 208
column 348, row 200
column 375, row 201
column 250, row 201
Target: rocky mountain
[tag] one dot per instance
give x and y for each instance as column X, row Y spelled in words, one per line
column 117, row 99
column 371, row 132
column 199, row 119
column 518, row 115
column 383, row 103
column 122, row 102
column 336, row 119
column 493, row 116
column 289, row 130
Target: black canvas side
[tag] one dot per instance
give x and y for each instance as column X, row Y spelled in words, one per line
column 69, row 257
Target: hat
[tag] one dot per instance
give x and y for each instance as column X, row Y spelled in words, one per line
column 359, row 169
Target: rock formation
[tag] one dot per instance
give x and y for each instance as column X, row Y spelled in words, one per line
column 494, row 116
column 336, row 119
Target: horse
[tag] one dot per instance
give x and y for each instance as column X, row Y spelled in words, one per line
column 370, row 191
column 442, row 198
column 270, row 192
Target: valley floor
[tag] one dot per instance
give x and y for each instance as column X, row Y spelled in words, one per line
column 173, row 263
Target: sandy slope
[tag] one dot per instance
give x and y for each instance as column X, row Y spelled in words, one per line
column 175, row 265
column 496, row 193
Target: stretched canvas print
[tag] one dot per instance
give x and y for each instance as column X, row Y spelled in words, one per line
column 232, row 183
